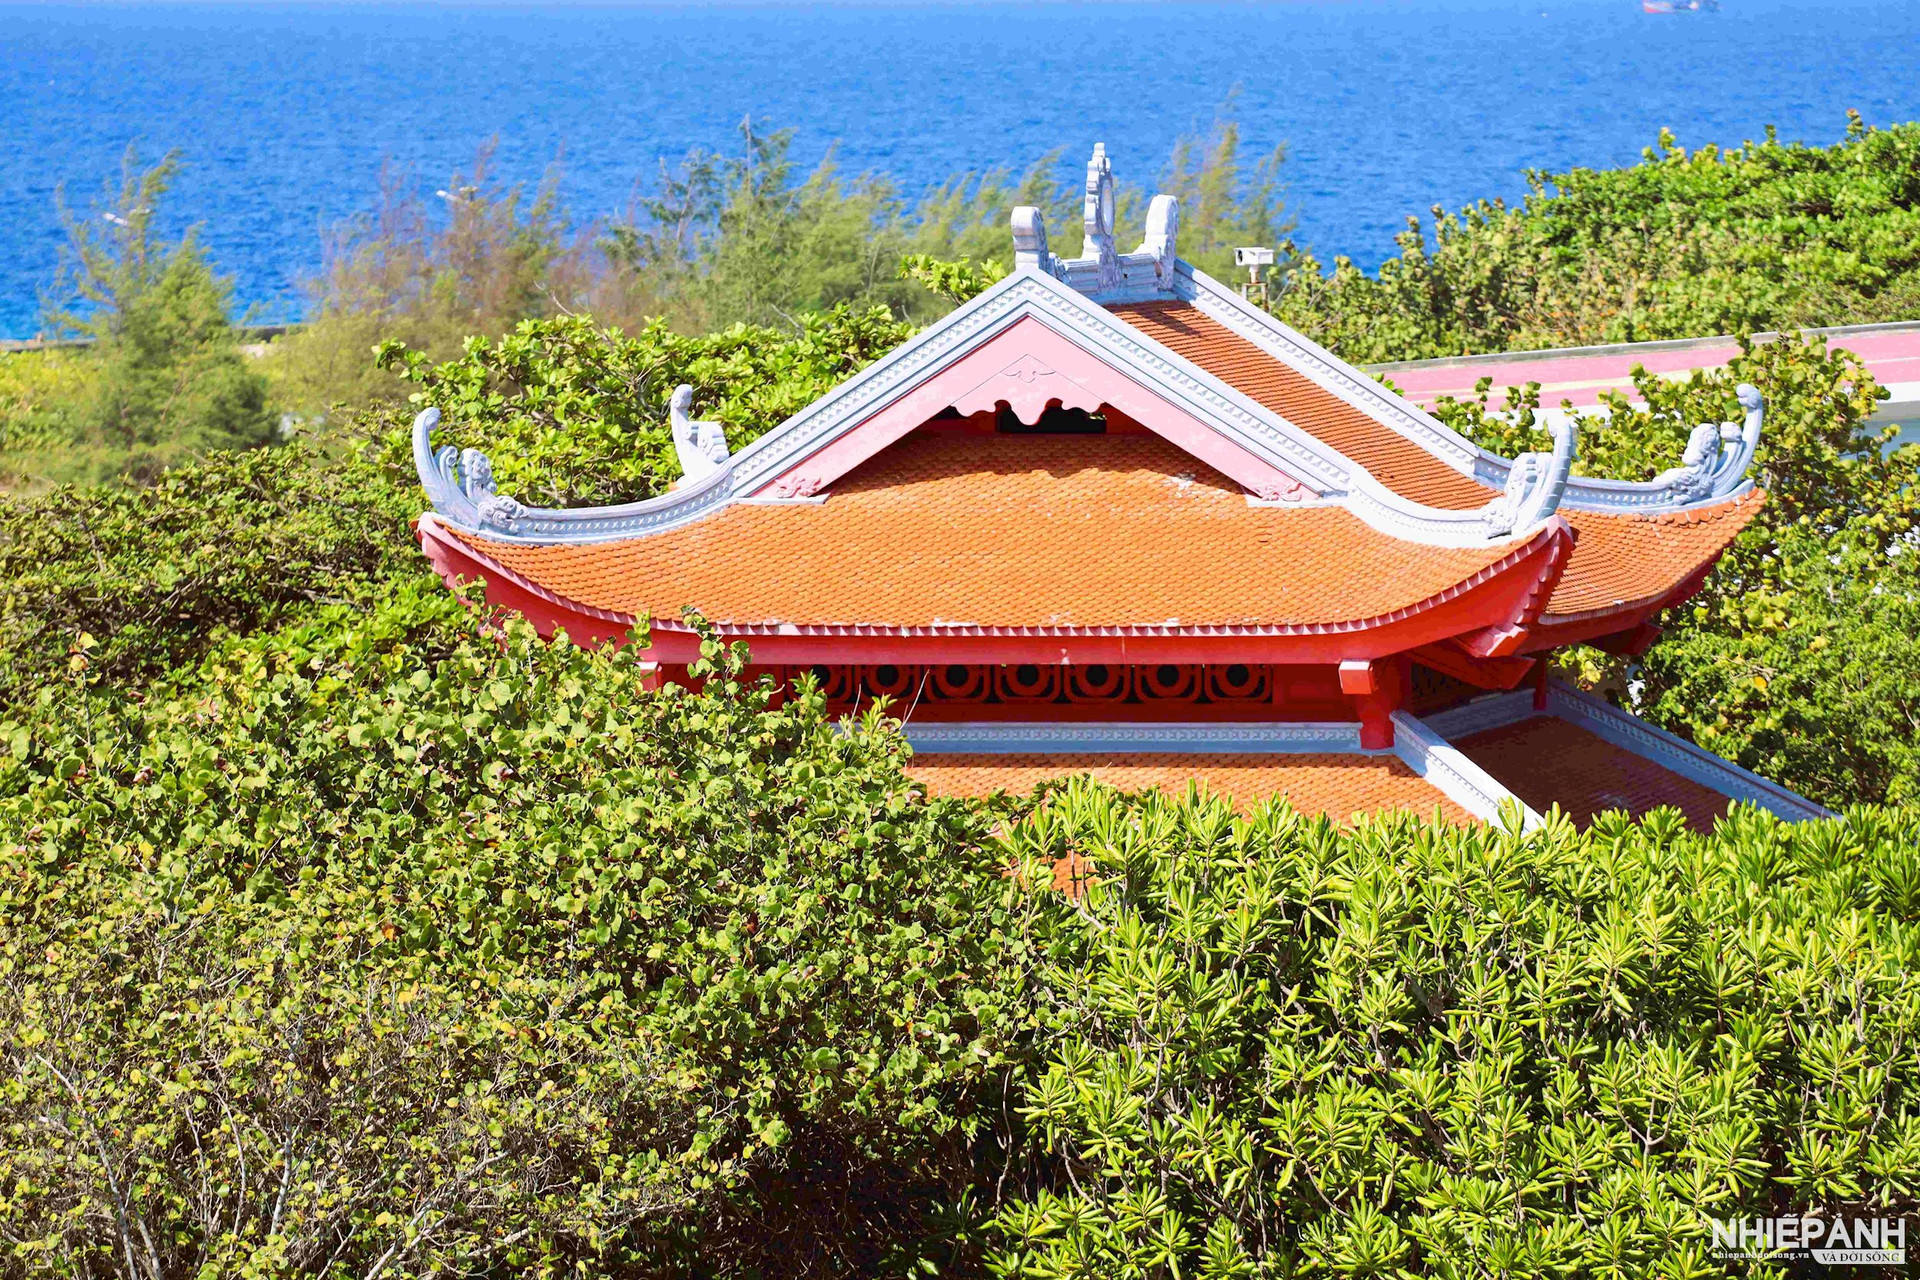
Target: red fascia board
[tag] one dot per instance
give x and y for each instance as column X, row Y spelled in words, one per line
column 1580, row 628
column 926, row 712
column 1483, row 673
column 1488, row 597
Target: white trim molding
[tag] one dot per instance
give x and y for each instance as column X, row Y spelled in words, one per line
column 1630, row 733
column 1488, row 711
column 1447, row 770
column 1053, row 737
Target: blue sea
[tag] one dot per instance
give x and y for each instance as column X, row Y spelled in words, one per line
column 286, row 114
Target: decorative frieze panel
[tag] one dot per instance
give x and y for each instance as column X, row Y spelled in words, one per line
column 1305, row 692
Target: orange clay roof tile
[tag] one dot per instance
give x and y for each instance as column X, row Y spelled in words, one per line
column 949, row 528
column 1627, row 560
column 1388, row 456
column 1340, row 786
column 1546, row 760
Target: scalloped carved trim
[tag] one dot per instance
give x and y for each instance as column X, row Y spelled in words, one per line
column 1028, row 386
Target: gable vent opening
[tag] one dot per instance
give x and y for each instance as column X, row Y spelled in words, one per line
column 1054, row 421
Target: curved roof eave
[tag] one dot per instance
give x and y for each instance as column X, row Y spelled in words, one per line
column 1536, row 560
column 1338, row 378
column 1322, row 471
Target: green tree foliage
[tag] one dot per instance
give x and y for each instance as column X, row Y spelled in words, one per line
column 381, row 948
column 573, row 413
column 131, row 584
column 716, row 240
column 1220, row 205
column 1274, row 1047
column 1810, row 677
column 167, row 380
column 1765, row 236
column 478, row 256
column 957, row 281
column 1798, row 658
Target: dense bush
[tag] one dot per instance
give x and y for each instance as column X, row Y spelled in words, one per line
column 385, row 949
column 132, row 584
column 1770, row 235
column 1275, row 1047
column 572, row 413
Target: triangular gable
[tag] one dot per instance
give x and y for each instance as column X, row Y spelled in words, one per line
column 1030, row 366
column 1027, row 340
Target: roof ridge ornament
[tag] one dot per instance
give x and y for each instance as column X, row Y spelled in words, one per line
column 1163, row 230
column 1030, row 241
column 1718, row 454
column 459, row 482
column 1535, row 483
column 702, row 446
column 1097, row 217
column 1101, row 268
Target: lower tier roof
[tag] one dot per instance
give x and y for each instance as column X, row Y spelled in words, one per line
column 1338, row 785
column 1546, row 760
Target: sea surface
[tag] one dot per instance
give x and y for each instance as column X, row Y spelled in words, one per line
column 286, row 114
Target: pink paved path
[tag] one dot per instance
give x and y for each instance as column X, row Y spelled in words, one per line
column 1892, row 353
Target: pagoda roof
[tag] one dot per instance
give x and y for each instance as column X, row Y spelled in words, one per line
column 948, row 531
column 1271, row 498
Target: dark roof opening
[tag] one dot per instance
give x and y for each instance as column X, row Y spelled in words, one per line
column 1055, row 421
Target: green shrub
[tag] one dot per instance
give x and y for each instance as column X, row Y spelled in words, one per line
column 388, row 949
column 1684, row 244
column 572, row 413
column 135, row 585
column 1273, row 1047
column 37, row 389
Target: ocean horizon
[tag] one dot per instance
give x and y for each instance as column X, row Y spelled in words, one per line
column 286, row 115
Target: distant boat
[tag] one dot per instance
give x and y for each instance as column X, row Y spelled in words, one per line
column 1679, row 6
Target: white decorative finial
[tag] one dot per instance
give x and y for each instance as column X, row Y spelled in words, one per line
column 1718, row 454
column 1097, row 215
column 1100, row 270
column 1030, row 240
column 1535, row 483
column 702, row 446
column 459, row 482
column 1163, row 229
